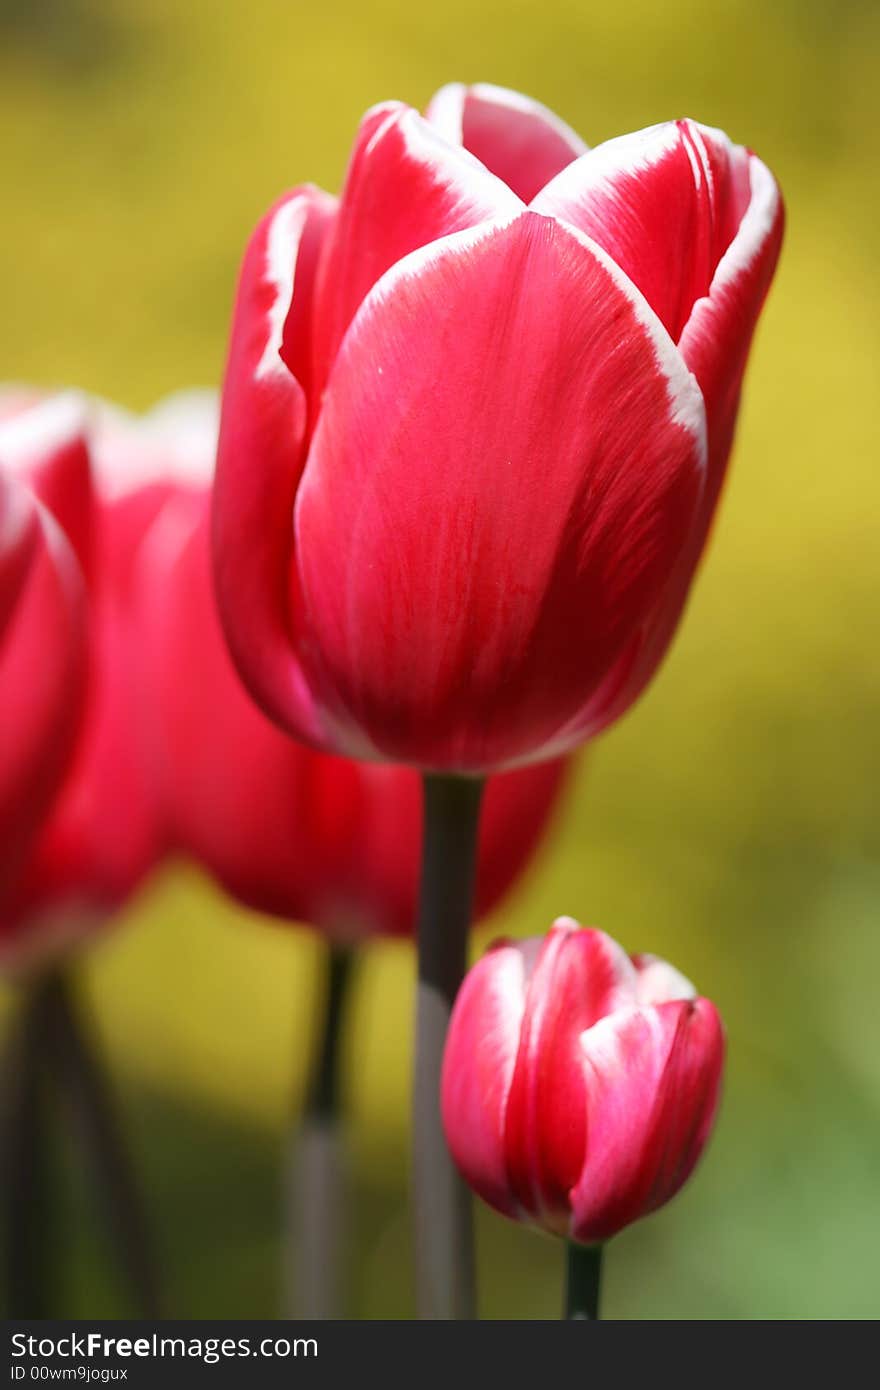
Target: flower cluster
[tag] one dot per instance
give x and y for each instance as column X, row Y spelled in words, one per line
column 442, row 522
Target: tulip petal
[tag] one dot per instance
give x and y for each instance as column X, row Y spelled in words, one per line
column 478, row 1066
column 43, row 653
column 717, row 336
column 664, row 203
column 43, row 442
column 507, row 464
column 579, row 976
column 520, row 140
column 261, row 453
column 659, row 982
column 651, row 1079
column 406, row 186
column 714, row 343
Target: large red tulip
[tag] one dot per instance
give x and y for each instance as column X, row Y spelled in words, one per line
column 44, row 484
column 289, row 831
column 475, row 422
column 106, row 828
column 579, row 1084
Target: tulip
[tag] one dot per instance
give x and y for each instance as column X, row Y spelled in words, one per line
column 299, row 834
column 105, row 483
column 106, row 828
column 579, row 1084
column 475, row 421
column 42, row 616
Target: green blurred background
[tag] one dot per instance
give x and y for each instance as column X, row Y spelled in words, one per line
column 729, row 823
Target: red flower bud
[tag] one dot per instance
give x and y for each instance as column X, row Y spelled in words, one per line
column 579, row 1084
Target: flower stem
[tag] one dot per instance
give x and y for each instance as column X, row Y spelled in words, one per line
column 443, row 1216
column 28, row 1241
column 51, row 1058
column 317, row 1200
column 583, row 1277
column 84, row 1086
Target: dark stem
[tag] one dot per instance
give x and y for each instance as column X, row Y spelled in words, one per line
column 84, row 1087
column 322, row 1095
column 25, row 1143
column 443, row 1215
column 582, row 1280
column 317, row 1199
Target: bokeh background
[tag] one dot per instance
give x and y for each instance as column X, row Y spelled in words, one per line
column 729, row 823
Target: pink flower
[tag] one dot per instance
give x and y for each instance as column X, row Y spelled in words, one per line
column 579, row 1084
column 302, row 835
column 105, row 829
column 475, row 422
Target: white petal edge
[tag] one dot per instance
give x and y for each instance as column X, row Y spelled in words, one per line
column 447, row 105
column 173, row 442
column 456, row 168
column 634, row 153
column 40, row 429
column 282, row 253
column 687, row 407
column 753, row 231
column 659, row 982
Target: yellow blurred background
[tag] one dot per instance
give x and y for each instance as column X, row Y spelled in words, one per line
column 730, row 823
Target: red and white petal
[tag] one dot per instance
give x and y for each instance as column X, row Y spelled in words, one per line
column 578, row 977
column 520, row 140
column 43, row 441
column 651, row 1080
column 478, row 1063
column 717, row 336
column 664, row 202
column 261, row 450
column 406, row 186
column 659, row 982
column 509, row 372
column 714, row 344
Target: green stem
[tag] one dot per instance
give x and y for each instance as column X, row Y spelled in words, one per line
column 582, row 1280
column 444, row 1244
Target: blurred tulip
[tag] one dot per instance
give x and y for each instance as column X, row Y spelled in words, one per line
column 302, row 835
column 475, row 422
column 579, row 1084
column 106, row 829
column 105, row 476
column 43, row 482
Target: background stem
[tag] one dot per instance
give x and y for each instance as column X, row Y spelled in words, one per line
column 443, row 1215
column 84, row 1087
column 317, row 1199
column 582, row 1280
column 29, row 1247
